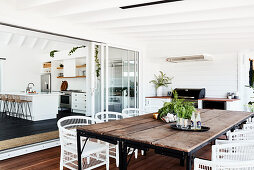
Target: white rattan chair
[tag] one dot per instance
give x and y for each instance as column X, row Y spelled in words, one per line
column 237, row 136
column 248, row 126
column 131, row 112
column 101, row 117
column 200, row 164
column 236, row 151
column 250, row 120
column 151, row 109
column 241, row 135
column 94, row 155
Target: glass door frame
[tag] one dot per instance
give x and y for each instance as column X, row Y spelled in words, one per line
column 104, row 76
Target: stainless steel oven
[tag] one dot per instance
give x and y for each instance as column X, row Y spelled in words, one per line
column 65, row 100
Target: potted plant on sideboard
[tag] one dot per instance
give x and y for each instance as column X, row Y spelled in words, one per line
column 161, row 81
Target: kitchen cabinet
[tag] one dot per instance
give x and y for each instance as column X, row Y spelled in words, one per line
column 220, row 103
column 69, row 69
column 153, row 104
column 78, row 102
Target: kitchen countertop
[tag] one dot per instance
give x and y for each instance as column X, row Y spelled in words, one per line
column 32, row 94
column 219, row 99
column 161, row 97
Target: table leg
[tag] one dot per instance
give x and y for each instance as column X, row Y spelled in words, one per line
column 79, row 151
column 182, row 161
column 122, row 156
column 189, row 162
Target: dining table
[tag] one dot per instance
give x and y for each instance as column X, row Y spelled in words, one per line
column 143, row 132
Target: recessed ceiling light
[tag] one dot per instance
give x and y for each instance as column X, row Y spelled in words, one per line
column 148, row 4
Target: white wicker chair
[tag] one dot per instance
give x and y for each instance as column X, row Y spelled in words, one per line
column 151, row 109
column 101, row 117
column 237, row 151
column 200, row 164
column 131, row 112
column 250, row 120
column 241, row 135
column 94, row 155
column 248, row 126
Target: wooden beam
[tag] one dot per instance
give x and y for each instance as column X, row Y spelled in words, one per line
column 96, row 6
column 210, row 15
column 26, row 4
column 196, row 37
column 202, row 31
column 166, row 9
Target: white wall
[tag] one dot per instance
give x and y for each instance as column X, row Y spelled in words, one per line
column 21, row 67
column 218, row 76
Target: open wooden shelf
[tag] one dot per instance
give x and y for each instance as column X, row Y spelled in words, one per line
column 80, row 66
column 47, row 65
column 72, row 77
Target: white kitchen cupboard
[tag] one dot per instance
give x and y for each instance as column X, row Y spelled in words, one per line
column 78, row 102
column 69, row 69
column 153, row 104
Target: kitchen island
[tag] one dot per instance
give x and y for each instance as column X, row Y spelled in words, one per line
column 43, row 106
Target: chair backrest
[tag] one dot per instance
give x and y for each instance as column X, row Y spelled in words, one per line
column 200, row 164
column 151, row 109
column 109, row 116
column 240, row 151
column 222, row 141
column 248, row 126
column 131, row 112
column 241, row 135
column 67, row 128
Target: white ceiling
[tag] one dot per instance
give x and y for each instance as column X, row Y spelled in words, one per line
column 188, row 19
column 44, row 43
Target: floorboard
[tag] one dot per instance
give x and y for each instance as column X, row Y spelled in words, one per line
column 12, row 127
column 49, row 160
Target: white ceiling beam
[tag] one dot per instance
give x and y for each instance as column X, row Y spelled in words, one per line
column 205, row 36
column 44, row 45
column 22, row 40
column 247, row 22
column 225, row 30
column 96, row 5
column 26, row 4
column 33, row 43
column 9, row 38
column 158, row 10
column 238, row 13
column 29, row 33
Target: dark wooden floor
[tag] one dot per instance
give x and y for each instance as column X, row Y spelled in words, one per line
column 11, row 127
column 49, row 160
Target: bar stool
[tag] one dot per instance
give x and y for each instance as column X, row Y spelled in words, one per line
column 1, row 101
column 12, row 104
column 5, row 104
column 23, row 107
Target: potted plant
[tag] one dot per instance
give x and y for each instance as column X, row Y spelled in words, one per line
column 161, row 81
column 189, row 110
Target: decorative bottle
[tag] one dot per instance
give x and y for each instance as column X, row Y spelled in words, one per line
column 198, row 121
column 193, row 120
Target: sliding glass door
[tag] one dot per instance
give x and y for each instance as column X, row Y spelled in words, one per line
column 116, row 86
column 122, row 79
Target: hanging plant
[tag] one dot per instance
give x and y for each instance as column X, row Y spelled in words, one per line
column 97, row 61
column 75, row 48
column 52, row 53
